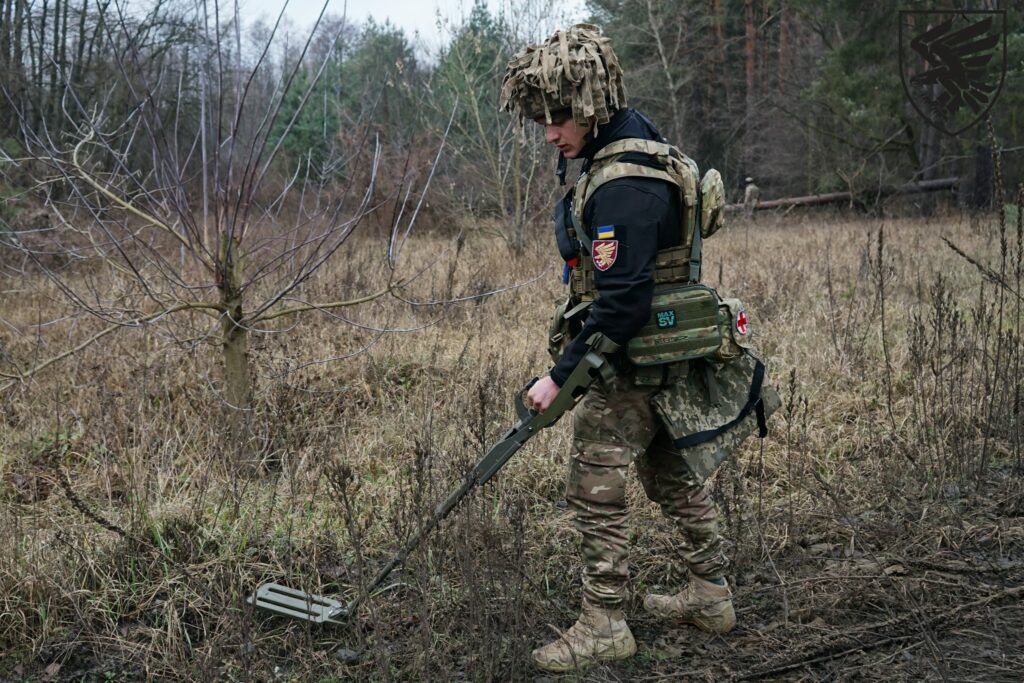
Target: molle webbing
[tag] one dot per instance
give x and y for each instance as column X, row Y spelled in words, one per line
column 651, row 147
column 674, row 167
column 684, row 324
column 671, row 266
column 581, row 281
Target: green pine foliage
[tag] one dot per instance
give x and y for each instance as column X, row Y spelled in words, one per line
column 309, row 129
column 379, row 81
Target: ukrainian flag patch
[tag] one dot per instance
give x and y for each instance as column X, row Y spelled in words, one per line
column 606, row 233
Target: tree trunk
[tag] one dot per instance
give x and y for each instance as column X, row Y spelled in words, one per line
column 783, row 44
column 32, row 113
column 676, row 131
column 76, row 75
column 19, row 19
column 55, row 47
column 59, row 54
column 234, row 337
column 764, row 48
column 981, row 183
column 922, row 187
column 101, row 19
column 749, row 48
column 64, row 40
column 719, row 52
column 5, row 36
column 809, row 155
column 930, row 153
column 37, row 96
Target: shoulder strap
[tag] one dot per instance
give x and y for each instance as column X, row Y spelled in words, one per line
column 623, row 169
column 695, row 247
column 633, row 145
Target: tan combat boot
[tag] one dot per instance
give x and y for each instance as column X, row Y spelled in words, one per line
column 599, row 634
column 706, row 605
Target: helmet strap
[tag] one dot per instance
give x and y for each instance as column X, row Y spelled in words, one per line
column 561, row 168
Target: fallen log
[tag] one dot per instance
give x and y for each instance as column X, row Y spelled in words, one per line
column 830, row 197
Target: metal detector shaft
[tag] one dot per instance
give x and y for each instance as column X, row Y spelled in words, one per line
column 593, row 365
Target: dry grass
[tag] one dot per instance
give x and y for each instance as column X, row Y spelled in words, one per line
column 876, row 531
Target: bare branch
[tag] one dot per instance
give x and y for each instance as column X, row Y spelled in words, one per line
column 325, row 306
column 193, row 306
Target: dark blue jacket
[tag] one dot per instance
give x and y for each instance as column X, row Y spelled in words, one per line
column 645, row 213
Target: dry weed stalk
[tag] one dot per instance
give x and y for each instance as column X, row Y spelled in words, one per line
column 405, row 419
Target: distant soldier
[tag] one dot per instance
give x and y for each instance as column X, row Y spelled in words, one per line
column 751, row 196
column 630, row 232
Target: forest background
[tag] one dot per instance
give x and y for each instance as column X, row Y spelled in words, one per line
column 264, row 295
column 804, row 96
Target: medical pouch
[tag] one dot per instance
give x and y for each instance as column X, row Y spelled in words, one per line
column 735, row 330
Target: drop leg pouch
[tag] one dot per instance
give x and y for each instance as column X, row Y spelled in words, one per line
column 711, row 410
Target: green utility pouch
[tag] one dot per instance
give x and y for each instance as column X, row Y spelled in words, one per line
column 558, row 331
column 688, row 323
column 564, row 325
column 684, row 324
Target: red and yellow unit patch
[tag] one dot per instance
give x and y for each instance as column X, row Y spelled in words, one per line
column 604, row 249
column 604, row 253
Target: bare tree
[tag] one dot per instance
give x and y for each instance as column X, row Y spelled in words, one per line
column 494, row 162
column 200, row 233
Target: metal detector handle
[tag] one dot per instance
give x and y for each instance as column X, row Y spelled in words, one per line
column 522, row 411
column 593, row 365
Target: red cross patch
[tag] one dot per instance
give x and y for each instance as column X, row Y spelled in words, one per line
column 604, row 253
column 741, row 322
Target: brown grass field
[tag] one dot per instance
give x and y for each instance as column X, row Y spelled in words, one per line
column 877, row 533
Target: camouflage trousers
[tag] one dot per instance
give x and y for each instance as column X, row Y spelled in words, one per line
column 617, row 424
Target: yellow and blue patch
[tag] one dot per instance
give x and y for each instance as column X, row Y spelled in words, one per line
column 606, row 233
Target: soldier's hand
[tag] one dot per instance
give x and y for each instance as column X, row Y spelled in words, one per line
column 542, row 394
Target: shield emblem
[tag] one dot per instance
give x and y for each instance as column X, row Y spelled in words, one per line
column 952, row 64
column 604, row 253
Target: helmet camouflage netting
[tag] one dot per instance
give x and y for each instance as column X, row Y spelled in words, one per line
column 574, row 69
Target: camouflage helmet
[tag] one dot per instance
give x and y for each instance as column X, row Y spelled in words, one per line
column 574, row 69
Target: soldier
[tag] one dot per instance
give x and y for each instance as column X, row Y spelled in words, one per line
column 675, row 421
column 751, row 195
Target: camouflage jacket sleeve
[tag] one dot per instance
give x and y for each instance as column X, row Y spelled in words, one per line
column 639, row 212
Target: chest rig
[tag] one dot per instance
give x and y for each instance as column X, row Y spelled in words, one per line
column 672, row 266
column 686, row 321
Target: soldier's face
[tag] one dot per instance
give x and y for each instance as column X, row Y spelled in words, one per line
column 564, row 133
